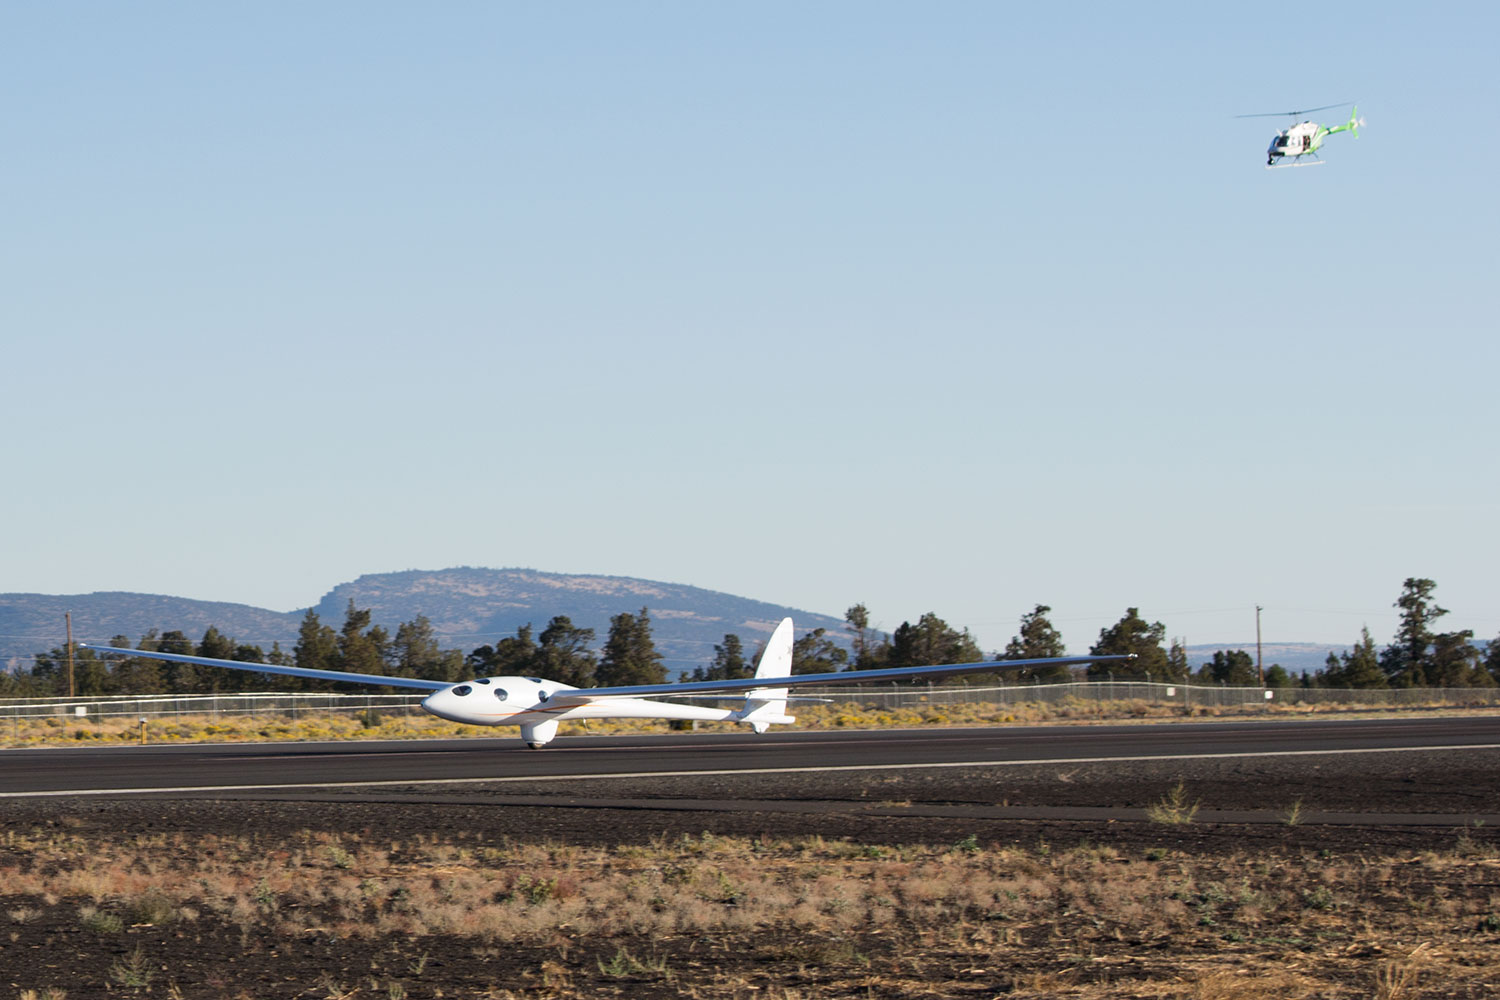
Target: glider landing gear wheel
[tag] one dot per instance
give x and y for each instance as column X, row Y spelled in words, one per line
column 539, row 734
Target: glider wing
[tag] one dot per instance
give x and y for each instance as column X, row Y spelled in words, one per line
column 272, row 668
column 841, row 677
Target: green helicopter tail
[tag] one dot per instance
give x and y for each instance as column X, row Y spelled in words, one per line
column 1352, row 125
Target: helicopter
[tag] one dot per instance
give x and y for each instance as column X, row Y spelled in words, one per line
column 1305, row 137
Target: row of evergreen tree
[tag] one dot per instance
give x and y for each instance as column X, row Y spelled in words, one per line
column 1419, row 656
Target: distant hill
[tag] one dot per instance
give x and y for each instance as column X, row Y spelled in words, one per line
column 472, row 607
column 468, row 607
column 1296, row 657
column 33, row 623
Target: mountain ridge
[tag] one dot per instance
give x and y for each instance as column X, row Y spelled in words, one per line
column 467, row 606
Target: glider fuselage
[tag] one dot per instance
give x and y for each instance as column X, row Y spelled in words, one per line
column 519, row 701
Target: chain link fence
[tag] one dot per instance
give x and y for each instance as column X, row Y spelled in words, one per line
column 1185, row 696
column 176, row 706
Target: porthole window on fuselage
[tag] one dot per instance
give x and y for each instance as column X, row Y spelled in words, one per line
column 462, row 690
column 500, row 693
column 481, row 680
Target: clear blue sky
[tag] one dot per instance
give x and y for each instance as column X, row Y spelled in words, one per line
column 956, row 307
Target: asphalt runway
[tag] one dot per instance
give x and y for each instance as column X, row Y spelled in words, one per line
column 225, row 770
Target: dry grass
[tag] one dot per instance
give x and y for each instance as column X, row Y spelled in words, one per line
column 1048, row 922
column 389, row 724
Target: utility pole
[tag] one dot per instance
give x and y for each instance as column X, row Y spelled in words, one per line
column 1259, row 671
column 68, row 618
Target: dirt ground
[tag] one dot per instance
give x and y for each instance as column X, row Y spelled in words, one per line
column 1351, row 877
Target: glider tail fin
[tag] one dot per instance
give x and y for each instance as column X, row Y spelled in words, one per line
column 767, row 705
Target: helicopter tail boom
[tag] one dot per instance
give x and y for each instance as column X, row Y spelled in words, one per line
column 1351, row 126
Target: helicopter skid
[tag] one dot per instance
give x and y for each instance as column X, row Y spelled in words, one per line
column 1288, row 166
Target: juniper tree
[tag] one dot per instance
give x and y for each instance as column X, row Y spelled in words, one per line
column 1422, row 657
column 630, row 657
column 931, row 641
column 1407, row 659
column 563, row 654
column 1038, row 638
column 317, row 648
column 512, row 655
column 1358, row 668
column 816, row 653
column 1235, row 667
column 729, row 663
column 1132, row 635
column 858, row 618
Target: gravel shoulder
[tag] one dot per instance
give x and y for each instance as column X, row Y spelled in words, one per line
column 1421, row 829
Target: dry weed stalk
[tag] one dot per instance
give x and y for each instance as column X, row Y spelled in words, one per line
column 1173, row 808
column 1396, row 979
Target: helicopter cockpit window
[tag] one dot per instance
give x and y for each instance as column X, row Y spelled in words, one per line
column 1281, row 142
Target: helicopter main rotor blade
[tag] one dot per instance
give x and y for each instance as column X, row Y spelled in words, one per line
column 1308, row 111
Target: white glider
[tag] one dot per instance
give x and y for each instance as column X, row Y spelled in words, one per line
column 538, row 705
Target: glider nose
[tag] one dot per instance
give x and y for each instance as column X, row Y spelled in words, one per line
column 444, row 703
